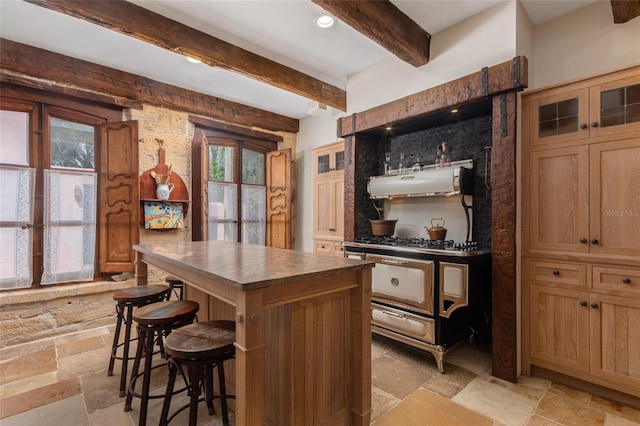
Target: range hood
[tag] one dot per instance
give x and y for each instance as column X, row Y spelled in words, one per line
column 451, row 180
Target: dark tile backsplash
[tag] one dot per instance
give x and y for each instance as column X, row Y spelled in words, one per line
column 467, row 140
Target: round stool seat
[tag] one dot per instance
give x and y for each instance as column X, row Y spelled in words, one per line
column 199, row 348
column 176, row 284
column 173, row 280
column 155, row 322
column 141, row 295
column 169, row 312
column 127, row 299
column 203, row 340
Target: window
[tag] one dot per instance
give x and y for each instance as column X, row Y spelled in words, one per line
column 236, row 192
column 49, row 188
column 244, row 185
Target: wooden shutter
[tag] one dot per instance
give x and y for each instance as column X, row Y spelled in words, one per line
column 279, row 199
column 118, row 196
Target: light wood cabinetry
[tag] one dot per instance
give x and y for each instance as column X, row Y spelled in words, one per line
column 600, row 108
column 328, row 199
column 581, row 230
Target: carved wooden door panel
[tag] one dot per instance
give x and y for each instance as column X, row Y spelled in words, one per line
column 118, row 200
column 279, row 199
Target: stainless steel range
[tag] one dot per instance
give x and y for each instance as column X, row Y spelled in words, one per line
column 428, row 294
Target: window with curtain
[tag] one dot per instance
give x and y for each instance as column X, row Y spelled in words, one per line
column 48, row 187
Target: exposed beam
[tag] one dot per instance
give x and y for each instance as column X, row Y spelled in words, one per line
column 62, row 72
column 385, row 24
column 143, row 24
column 624, row 10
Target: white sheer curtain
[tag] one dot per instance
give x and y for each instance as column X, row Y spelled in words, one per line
column 69, row 226
column 16, row 233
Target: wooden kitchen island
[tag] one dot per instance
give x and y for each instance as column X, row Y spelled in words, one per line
column 303, row 327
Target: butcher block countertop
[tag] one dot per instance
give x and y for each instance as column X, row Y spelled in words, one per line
column 303, row 327
column 247, row 266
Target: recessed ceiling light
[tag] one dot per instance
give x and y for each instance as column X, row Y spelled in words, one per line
column 325, row 21
column 454, row 110
column 388, row 128
column 193, row 60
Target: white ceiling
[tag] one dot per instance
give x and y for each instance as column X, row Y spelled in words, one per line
column 282, row 31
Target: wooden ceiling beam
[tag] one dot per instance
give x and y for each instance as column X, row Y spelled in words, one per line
column 143, row 24
column 384, row 23
column 34, row 67
column 624, row 10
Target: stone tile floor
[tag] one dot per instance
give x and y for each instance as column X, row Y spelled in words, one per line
column 63, row 381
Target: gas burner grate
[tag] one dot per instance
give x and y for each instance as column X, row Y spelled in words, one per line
column 421, row 243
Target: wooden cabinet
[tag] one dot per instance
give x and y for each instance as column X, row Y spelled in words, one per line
column 585, row 199
column 559, row 327
column 591, row 332
column 328, row 199
column 329, row 160
column 583, row 110
column 581, row 228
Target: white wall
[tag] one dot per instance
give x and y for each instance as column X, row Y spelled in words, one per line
column 582, row 44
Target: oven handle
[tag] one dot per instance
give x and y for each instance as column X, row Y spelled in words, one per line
column 394, row 262
column 394, row 314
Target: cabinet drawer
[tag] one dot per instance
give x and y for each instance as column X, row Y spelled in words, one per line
column 559, row 273
column 323, row 247
column 338, row 248
column 417, row 327
column 619, row 279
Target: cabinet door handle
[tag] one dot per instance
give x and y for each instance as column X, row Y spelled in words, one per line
column 594, row 305
column 626, row 280
column 594, row 241
column 583, row 125
column 594, row 124
column 583, row 303
column 584, row 240
column 393, row 314
column 556, row 273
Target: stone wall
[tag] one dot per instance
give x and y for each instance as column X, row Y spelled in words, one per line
column 28, row 315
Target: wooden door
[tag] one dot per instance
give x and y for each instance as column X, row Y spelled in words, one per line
column 559, row 118
column 324, row 207
column 119, row 205
column 615, row 340
column 279, row 199
column 615, row 198
column 559, row 328
column 558, row 214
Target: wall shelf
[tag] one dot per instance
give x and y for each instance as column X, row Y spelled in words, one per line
column 162, row 214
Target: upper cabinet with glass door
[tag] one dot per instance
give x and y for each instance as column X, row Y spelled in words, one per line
column 329, row 160
column 577, row 112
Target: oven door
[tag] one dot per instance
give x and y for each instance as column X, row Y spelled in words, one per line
column 404, row 283
column 353, row 254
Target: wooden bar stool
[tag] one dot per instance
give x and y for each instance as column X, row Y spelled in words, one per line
column 155, row 322
column 200, row 348
column 127, row 299
column 176, row 284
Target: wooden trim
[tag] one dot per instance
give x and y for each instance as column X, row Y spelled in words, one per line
column 150, row 27
column 507, row 76
column 230, row 129
column 503, row 238
column 7, row 76
column 59, row 70
column 384, row 23
column 624, row 10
